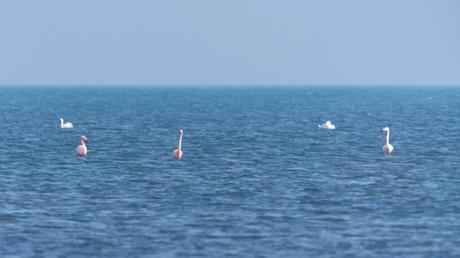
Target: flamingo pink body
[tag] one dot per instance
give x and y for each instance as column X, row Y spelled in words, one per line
column 177, row 153
column 81, row 149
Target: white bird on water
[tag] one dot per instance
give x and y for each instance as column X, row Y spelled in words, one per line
column 327, row 125
column 65, row 125
column 387, row 148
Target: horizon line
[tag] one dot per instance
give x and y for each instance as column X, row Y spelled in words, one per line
column 228, row 85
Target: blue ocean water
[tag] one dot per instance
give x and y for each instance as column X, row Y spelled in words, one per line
column 257, row 179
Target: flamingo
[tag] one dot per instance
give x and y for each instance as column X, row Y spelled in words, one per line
column 177, row 153
column 327, row 125
column 387, row 148
column 65, row 125
column 81, row 149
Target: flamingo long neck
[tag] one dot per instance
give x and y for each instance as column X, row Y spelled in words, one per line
column 83, row 144
column 388, row 137
column 180, row 143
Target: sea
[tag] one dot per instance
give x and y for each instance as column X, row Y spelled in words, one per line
column 258, row 178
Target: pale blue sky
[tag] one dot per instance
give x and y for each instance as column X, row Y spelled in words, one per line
column 237, row 42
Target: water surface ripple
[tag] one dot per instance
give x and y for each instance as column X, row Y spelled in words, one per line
column 257, row 179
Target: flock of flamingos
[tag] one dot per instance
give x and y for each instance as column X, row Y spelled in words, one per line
column 82, row 150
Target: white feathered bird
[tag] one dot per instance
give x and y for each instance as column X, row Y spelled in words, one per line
column 387, row 148
column 65, row 125
column 327, row 125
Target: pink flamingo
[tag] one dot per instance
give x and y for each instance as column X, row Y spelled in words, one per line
column 177, row 153
column 81, row 149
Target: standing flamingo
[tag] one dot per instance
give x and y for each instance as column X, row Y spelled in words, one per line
column 81, row 149
column 387, row 148
column 177, row 153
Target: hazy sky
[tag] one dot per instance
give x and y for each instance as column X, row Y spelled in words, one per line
column 237, row 42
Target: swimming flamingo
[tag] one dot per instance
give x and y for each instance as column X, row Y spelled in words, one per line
column 65, row 125
column 177, row 153
column 81, row 149
column 327, row 125
column 387, row 148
